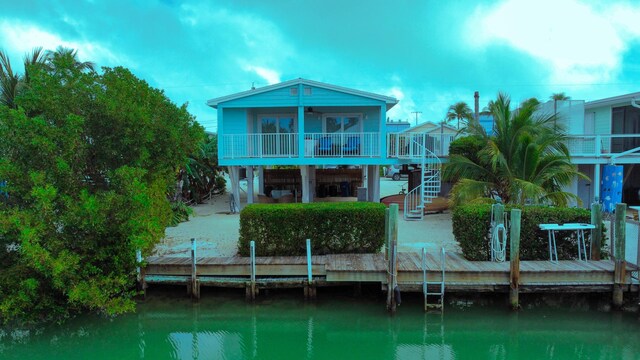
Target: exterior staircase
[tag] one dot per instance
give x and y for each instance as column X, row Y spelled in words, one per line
column 430, row 168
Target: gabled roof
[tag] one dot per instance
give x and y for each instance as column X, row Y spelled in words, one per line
column 428, row 126
column 613, row 100
column 390, row 101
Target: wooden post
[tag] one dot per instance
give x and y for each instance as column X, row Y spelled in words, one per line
column 195, row 284
column 514, row 258
column 309, row 286
column 142, row 286
column 596, row 234
column 251, row 288
column 387, row 235
column 619, row 255
column 392, row 270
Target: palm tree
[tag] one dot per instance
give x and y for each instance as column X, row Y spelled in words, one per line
column 459, row 111
column 525, row 160
column 561, row 96
column 63, row 54
column 9, row 81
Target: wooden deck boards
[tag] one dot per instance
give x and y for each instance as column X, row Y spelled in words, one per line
column 373, row 268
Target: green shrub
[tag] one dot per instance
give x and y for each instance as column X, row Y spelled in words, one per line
column 471, row 224
column 334, row 228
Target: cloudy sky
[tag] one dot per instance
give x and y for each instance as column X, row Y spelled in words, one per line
column 428, row 54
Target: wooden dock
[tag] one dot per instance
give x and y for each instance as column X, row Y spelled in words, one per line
column 461, row 275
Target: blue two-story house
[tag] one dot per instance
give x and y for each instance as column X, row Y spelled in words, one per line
column 307, row 124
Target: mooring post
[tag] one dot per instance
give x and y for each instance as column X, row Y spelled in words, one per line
column 514, row 259
column 387, row 235
column 309, row 287
column 142, row 286
column 619, row 255
column 596, row 234
column 195, row 284
column 392, row 270
column 251, row 289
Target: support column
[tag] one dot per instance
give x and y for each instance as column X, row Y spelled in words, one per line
column 312, row 183
column 234, row 177
column 373, row 183
column 304, row 174
column 261, row 180
column 250, row 196
column 596, row 183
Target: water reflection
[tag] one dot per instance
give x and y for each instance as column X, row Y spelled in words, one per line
column 229, row 328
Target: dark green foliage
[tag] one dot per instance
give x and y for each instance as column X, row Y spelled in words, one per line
column 88, row 159
column 334, row 228
column 471, row 224
column 467, row 146
column 201, row 176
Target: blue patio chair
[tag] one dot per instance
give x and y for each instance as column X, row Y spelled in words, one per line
column 352, row 146
column 325, row 145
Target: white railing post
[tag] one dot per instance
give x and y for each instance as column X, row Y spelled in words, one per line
column 598, row 146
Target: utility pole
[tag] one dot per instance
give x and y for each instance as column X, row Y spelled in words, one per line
column 416, row 112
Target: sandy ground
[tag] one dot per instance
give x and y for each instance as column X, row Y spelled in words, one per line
column 216, row 231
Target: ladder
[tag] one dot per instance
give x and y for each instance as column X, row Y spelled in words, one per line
column 439, row 284
column 430, row 165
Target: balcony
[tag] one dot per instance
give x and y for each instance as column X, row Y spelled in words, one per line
column 603, row 145
column 410, row 145
column 316, row 145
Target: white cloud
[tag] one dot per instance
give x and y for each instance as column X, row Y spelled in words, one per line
column 270, row 75
column 20, row 38
column 580, row 43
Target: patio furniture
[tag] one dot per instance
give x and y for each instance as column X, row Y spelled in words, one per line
column 325, row 146
column 578, row 228
column 352, row 145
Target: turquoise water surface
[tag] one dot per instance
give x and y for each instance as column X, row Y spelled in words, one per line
column 283, row 326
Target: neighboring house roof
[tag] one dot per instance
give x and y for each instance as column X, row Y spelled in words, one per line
column 428, row 127
column 397, row 126
column 390, row 101
column 615, row 100
column 424, row 127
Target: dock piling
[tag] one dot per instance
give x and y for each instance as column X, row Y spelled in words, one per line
column 309, row 287
column 392, row 269
column 251, row 288
column 514, row 259
column 195, row 284
column 140, row 275
column 619, row 255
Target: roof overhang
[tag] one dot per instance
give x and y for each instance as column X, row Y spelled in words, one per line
column 616, row 100
column 390, row 101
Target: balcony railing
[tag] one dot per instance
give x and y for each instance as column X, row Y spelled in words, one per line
column 235, row 146
column 602, row 145
column 408, row 145
column 342, row 144
column 316, row 145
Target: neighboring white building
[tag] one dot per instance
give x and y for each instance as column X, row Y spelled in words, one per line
column 605, row 131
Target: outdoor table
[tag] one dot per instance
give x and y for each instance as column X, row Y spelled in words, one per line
column 578, row 228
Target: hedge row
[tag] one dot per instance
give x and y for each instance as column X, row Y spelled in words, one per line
column 334, row 228
column 471, row 224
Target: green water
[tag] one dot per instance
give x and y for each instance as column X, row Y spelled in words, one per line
column 283, row 326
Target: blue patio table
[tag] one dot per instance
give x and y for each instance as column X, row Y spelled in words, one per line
column 578, row 228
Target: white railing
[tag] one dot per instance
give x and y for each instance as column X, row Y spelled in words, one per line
column 409, row 145
column 342, row 144
column 602, row 145
column 236, row 146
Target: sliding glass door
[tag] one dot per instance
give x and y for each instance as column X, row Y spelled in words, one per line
column 278, row 135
